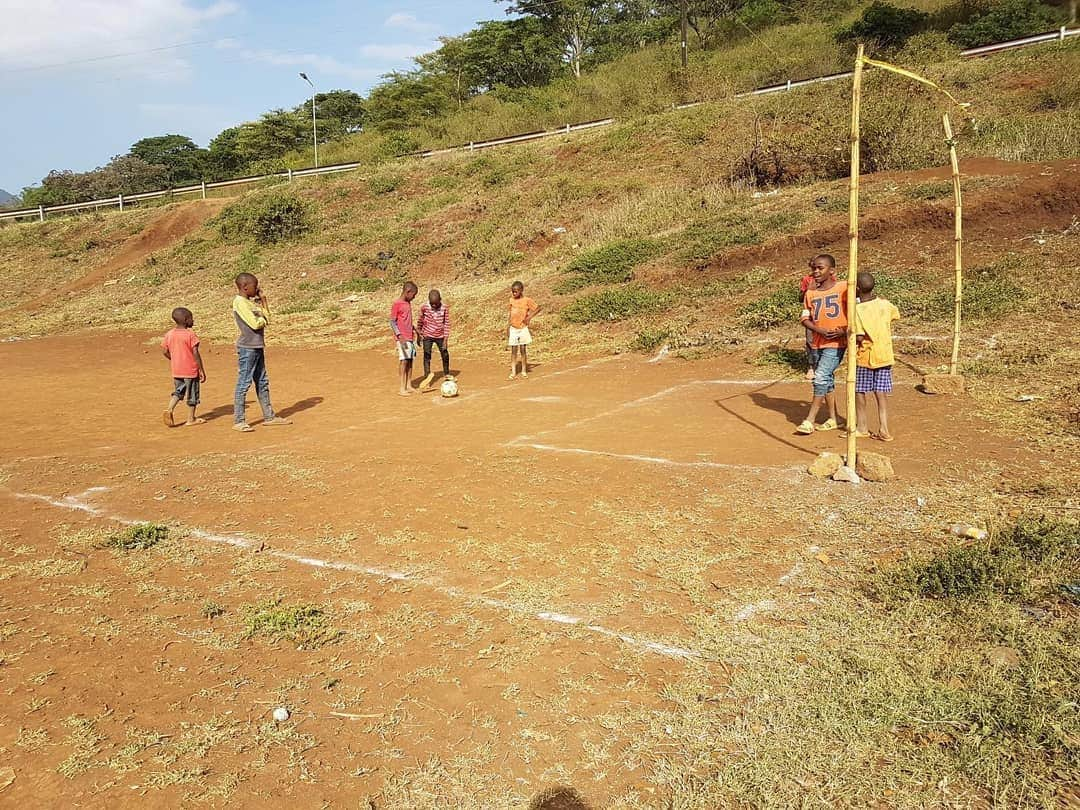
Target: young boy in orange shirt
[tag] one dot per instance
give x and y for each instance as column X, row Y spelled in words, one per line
column 522, row 311
column 825, row 315
column 181, row 346
column 873, row 374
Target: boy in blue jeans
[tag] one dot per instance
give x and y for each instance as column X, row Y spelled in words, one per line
column 825, row 316
column 251, row 313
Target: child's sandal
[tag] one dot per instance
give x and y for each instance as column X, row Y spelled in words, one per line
column 806, row 428
column 243, row 427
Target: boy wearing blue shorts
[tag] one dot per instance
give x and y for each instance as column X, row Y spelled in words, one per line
column 874, row 361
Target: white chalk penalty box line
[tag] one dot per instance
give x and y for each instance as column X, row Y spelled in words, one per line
column 80, row 503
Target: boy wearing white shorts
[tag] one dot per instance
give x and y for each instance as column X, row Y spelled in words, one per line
column 522, row 311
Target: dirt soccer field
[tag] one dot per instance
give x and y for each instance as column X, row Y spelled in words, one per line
column 460, row 602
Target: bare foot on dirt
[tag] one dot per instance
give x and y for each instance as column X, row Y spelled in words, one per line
column 167, row 418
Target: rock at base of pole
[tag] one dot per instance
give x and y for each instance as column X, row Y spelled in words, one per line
column 825, row 465
column 874, row 467
column 847, row 475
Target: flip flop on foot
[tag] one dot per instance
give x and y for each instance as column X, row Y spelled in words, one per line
column 243, row 427
column 882, row 437
column 806, row 428
column 862, row 434
column 167, row 418
column 197, row 421
column 277, row 420
column 512, row 376
column 828, row 424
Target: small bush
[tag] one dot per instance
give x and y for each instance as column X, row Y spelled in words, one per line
column 395, row 145
column 384, row 183
column 648, row 340
column 211, row 610
column 615, row 304
column 1005, row 20
column 1041, row 540
column 139, row 537
column 885, row 24
column 305, row 625
column 608, row 264
column 778, row 307
column 267, row 217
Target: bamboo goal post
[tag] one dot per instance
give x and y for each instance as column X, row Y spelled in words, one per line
column 958, row 244
column 853, row 259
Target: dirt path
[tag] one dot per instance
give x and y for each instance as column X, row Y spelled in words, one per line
column 159, row 234
column 517, row 575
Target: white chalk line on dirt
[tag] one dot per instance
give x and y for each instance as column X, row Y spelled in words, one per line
column 79, row 503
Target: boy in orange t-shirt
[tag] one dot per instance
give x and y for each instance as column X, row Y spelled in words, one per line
column 181, row 347
column 825, row 315
column 522, row 311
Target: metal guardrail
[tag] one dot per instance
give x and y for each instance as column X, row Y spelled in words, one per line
column 121, row 200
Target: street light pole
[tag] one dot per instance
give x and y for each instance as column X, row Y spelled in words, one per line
column 314, row 128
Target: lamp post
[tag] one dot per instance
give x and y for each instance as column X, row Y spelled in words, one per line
column 314, row 128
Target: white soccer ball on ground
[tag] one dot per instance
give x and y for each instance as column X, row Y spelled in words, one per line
column 448, row 387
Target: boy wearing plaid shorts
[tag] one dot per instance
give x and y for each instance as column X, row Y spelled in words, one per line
column 874, row 361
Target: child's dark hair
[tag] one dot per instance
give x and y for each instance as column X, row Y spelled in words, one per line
column 244, row 277
column 517, row 285
column 180, row 316
column 408, row 285
column 865, row 281
column 827, row 257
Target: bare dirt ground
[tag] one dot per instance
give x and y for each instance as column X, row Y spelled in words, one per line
column 511, row 584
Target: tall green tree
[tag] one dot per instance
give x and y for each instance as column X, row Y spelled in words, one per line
column 576, row 24
column 223, row 157
column 408, row 99
column 274, row 134
column 181, row 157
column 338, row 113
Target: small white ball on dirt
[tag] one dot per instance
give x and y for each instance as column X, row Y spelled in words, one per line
column 448, row 387
column 281, row 714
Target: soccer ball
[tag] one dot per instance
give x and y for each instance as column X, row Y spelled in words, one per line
column 448, row 387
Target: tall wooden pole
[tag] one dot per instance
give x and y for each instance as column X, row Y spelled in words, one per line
column 958, row 241
column 853, row 258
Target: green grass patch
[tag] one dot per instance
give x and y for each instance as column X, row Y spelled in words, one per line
column 987, row 292
column 782, row 357
column 138, row 537
column 930, row 191
column 608, row 264
column 648, row 340
column 305, row 625
column 327, row 258
column 781, row 306
column 384, row 183
column 360, row 284
column 616, row 304
column 1003, row 565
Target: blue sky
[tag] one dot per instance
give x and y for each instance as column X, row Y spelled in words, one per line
column 81, row 80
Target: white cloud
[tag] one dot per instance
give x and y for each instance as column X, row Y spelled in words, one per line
column 318, row 64
column 409, row 22
column 44, row 33
column 396, row 52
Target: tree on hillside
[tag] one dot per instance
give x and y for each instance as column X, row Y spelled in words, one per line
column 508, row 53
column 124, row 174
column 576, row 23
column 338, row 113
column 1004, row 20
column 223, row 157
column 183, row 159
column 408, row 99
column 274, row 134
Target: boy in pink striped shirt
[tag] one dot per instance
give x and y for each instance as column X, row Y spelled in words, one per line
column 434, row 328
